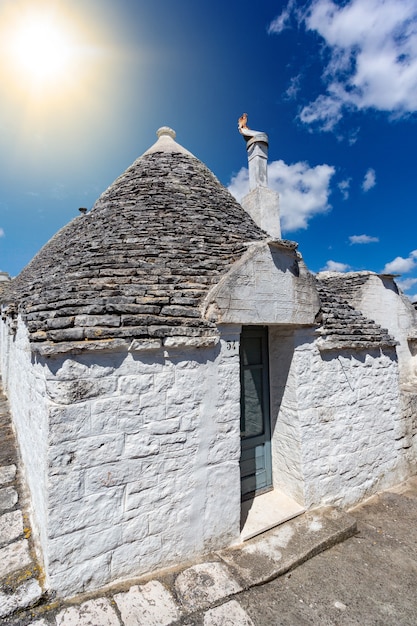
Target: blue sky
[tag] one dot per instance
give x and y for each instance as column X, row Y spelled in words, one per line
column 334, row 84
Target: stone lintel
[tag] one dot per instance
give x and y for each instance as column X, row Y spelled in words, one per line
column 191, row 342
column 79, row 347
column 122, row 345
column 328, row 346
column 145, row 345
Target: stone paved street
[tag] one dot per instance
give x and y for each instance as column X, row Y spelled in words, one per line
column 19, row 571
column 368, row 580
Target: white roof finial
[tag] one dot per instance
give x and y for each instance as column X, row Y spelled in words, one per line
column 166, row 142
column 166, row 130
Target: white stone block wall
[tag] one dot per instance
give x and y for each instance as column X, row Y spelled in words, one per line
column 24, row 384
column 4, row 350
column 409, row 426
column 287, row 470
column 133, row 458
column 338, row 431
column 378, row 299
column 352, row 431
column 143, row 461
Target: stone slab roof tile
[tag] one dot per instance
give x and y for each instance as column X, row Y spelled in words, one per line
column 341, row 325
column 141, row 261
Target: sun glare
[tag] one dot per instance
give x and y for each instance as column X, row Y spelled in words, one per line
column 41, row 49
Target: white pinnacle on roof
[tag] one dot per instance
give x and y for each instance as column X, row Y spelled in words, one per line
column 166, row 143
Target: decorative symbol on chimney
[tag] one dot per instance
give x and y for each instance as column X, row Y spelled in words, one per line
column 242, row 122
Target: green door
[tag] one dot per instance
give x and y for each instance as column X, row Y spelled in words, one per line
column 255, row 426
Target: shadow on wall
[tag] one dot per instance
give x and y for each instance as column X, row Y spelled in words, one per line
column 105, row 363
column 359, row 355
column 72, row 366
column 389, row 283
column 285, row 260
column 281, row 353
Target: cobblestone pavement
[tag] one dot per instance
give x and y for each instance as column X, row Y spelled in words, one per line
column 368, row 580
column 19, row 570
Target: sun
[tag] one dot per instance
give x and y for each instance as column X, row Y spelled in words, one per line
column 55, row 58
column 42, row 48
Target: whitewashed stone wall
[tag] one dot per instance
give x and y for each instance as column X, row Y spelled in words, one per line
column 379, row 300
column 339, row 434
column 24, row 383
column 132, row 458
column 287, row 468
column 409, row 417
column 139, row 458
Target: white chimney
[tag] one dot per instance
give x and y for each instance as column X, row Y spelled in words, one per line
column 261, row 203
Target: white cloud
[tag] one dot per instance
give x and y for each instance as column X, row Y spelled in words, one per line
column 281, row 22
column 406, row 284
column 59, row 191
column 344, row 186
column 304, row 191
column 335, row 266
column 372, row 63
column 294, row 87
column 326, row 111
column 239, row 184
column 2, row 233
column 370, row 180
column 400, row 265
column 353, row 135
column 363, row 239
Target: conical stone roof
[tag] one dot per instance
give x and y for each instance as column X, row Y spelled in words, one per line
column 140, row 263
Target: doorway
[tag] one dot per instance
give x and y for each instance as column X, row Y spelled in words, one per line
column 255, row 424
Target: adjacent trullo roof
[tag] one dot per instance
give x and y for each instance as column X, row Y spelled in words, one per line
column 139, row 264
column 341, row 324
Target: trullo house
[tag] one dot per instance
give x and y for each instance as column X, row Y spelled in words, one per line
column 172, row 366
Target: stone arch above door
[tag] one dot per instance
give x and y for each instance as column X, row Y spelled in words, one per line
column 270, row 284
